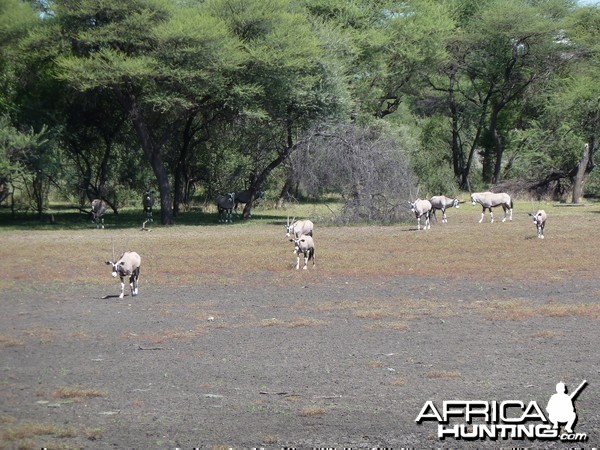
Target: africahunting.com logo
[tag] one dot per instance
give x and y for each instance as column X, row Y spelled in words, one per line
column 509, row 419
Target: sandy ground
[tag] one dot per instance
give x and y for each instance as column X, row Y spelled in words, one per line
column 337, row 362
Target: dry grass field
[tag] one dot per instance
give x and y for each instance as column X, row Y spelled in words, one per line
column 227, row 345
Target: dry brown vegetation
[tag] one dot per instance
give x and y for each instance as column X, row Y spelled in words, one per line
column 461, row 248
column 77, row 393
column 41, row 434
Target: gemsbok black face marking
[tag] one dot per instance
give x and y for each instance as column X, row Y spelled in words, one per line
column 539, row 220
column 489, row 200
column 127, row 266
column 306, row 246
column 422, row 208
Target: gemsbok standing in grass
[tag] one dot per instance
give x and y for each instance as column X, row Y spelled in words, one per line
column 539, row 220
column 127, row 266
column 489, row 200
column 148, row 202
column 304, row 245
column 225, row 204
column 297, row 228
column 244, row 197
column 98, row 210
column 442, row 203
column 422, row 208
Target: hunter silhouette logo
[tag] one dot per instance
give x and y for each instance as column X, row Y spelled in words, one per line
column 508, row 419
column 560, row 407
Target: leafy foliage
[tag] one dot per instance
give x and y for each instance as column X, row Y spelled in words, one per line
column 199, row 97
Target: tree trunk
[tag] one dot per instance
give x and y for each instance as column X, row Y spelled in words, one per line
column 152, row 153
column 458, row 159
column 38, row 192
column 284, row 191
column 262, row 177
column 581, row 175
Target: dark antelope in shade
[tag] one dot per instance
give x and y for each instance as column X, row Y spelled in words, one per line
column 148, row 202
column 244, row 197
column 225, row 204
column 98, row 210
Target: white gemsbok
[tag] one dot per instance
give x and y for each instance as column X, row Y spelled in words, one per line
column 304, row 245
column 539, row 220
column 422, row 208
column 489, row 200
column 297, row 228
column 442, row 203
column 127, row 266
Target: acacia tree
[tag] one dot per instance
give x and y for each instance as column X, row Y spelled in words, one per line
column 157, row 60
column 387, row 48
column 566, row 133
column 292, row 75
column 503, row 54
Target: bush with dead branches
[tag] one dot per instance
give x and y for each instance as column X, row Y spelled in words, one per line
column 366, row 166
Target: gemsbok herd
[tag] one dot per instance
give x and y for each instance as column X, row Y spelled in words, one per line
column 423, row 209
column 300, row 232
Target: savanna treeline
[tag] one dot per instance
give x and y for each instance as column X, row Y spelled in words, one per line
column 366, row 99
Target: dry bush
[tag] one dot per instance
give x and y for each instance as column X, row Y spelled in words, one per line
column 367, row 166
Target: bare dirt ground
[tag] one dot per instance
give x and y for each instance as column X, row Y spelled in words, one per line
column 278, row 358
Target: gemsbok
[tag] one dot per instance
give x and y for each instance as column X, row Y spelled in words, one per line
column 225, row 204
column 297, row 228
column 98, row 210
column 127, row 266
column 243, row 197
column 442, row 203
column 539, row 220
column 422, row 208
column 304, row 245
column 148, row 202
column 489, row 200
